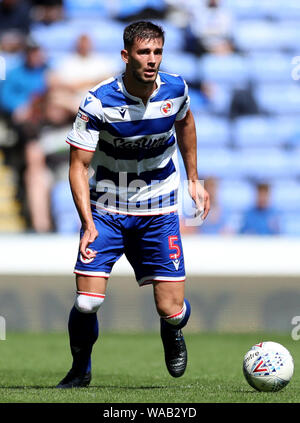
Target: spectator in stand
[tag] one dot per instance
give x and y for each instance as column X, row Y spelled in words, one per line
column 210, row 28
column 243, row 102
column 59, row 117
column 12, row 48
column 47, row 12
column 15, row 14
column 262, row 219
column 23, row 83
column 81, row 70
column 49, row 199
column 217, row 223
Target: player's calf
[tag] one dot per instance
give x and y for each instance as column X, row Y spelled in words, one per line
column 173, row 340
column 83, row 333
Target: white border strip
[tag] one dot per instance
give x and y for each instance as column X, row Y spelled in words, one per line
column 204, row 255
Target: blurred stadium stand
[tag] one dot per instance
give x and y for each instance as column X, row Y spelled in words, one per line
column 246, row 107
column 10, row 207
column 240, row 141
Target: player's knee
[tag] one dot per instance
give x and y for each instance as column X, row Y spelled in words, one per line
column 88, row 302
column 167, row 307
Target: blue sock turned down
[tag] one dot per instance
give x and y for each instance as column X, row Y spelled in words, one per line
column 83, row 333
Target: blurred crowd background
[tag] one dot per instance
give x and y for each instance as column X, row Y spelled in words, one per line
column 240, row 59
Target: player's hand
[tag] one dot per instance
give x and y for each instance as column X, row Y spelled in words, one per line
column 89, row 236
column 200, row 197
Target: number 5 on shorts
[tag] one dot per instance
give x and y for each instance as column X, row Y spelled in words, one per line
column 172, row 246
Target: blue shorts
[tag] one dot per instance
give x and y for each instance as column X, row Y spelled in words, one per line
column 152, row 245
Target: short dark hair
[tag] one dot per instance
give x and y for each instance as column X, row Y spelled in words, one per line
column 262, row 186
column 143, row 30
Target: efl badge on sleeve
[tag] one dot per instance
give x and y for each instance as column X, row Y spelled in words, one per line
column 81, row 121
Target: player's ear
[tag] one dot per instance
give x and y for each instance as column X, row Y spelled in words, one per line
column 124, row 55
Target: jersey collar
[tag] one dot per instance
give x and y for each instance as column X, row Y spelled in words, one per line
column 126, row 93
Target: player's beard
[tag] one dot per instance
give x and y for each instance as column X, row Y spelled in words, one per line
column 142, row 80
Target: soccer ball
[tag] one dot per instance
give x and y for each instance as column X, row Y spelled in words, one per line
column 268, row 366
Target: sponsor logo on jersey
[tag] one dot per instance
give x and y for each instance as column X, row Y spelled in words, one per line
column 87, row 101
column 143, row 142
column 122, row 112
column 166, row 108
column 176, row 263
column 85, row 260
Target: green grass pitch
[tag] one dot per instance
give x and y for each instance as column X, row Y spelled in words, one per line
column 130, row 368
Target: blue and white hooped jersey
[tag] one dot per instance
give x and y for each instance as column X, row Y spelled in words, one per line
column 135, row 167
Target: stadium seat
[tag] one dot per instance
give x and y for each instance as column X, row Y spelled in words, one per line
column 126, row 8
column 107, row 35
column 212, row 131
column 288, row 34
column 220, row 98
column 262, row 163
column 285, row 9
column 60, row 36
column 288, row 129
column 249, row 35
column 186, row 66
column 229, row 69
column 258, row 9
column 290, row 224
column 216, row 162
column 269, row 67
column 294, row 162
column 236, row 194
column 255, row 131
column 278, row 98
column 268, row 36
column 285, row 195
column 198, row 101
column 174, row 39
column 249, row 9
column 89, row 8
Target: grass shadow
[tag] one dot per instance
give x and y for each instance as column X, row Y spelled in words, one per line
column 88, row 387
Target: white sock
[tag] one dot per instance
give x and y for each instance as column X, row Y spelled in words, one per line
column 88, row 302
column 176, row 318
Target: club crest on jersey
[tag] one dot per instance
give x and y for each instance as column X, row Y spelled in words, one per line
column 166, row 108
column 85, row 260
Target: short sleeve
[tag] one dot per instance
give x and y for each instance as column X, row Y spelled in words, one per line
column 185, row 104
column 87, row 125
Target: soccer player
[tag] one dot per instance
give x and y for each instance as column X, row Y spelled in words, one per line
column 124, row 178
